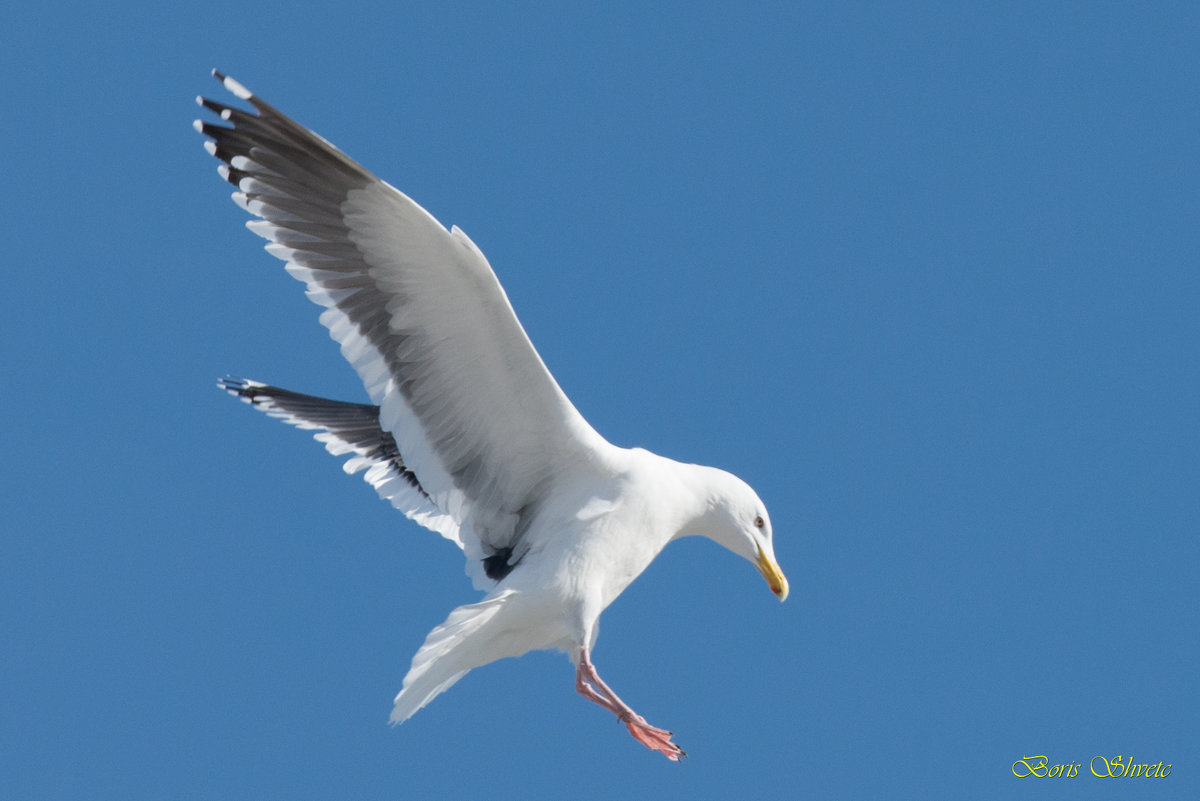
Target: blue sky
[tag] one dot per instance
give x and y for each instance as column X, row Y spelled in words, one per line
column 925, row 276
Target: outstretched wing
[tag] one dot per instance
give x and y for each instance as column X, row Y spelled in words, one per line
column 350, row 428
column 422, row 318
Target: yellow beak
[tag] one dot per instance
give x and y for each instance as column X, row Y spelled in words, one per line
column 778, row 582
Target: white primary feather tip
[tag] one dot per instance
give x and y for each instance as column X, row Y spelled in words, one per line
column 239, row 91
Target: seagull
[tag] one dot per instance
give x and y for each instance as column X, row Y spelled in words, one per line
column 467, row 432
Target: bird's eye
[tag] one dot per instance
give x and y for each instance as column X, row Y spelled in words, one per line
column 759, row 522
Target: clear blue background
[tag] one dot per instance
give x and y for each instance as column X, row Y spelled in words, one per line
column 925, row 275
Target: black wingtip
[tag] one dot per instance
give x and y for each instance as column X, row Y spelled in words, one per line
column 211, row 105
column 236, row 386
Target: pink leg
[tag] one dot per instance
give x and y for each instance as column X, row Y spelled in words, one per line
column 589, row 684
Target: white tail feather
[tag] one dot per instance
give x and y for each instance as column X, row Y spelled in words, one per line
column 450, row 650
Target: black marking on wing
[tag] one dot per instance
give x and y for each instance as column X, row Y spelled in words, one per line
column 496, row 566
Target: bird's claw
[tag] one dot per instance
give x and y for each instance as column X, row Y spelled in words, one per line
column 655, row 739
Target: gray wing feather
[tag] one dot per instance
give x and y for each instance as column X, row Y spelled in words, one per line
column 349, row 428
column 345, row 427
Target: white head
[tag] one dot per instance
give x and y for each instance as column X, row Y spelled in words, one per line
column 733, row 516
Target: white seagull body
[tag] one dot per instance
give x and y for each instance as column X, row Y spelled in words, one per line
column 467, row 433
